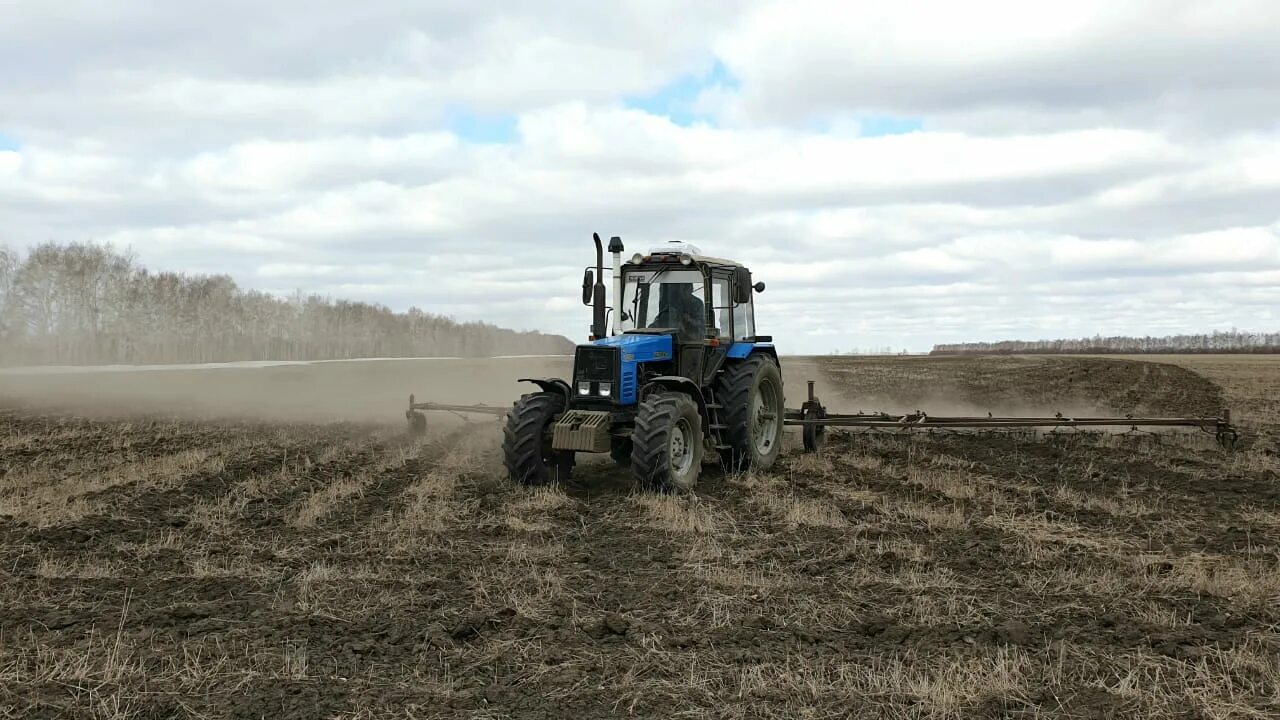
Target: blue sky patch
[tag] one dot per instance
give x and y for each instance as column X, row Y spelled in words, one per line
column 9, row 142
column 676, row 99
column 479, row 128
column 879, row 125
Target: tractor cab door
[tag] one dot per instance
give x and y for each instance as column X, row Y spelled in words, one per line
column 720, row 324
column 732, row 321
column 693, row 337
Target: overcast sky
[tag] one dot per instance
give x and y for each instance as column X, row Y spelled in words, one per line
column 898, row 173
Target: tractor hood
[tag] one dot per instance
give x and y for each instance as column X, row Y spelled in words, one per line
column 639, row 347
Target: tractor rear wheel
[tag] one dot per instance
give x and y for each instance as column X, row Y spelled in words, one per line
column 751, row 395
column 526, row 442
column 666, row 452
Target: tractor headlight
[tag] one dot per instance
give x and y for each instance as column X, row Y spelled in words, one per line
column 606, row 389
column 584, row 388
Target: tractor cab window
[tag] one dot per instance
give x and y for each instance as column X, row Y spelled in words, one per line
column 744, row 321
column 722, row 304
column 674, row 299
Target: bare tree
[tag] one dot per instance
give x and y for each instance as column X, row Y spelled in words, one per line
column 8, row 269
column 85, row 303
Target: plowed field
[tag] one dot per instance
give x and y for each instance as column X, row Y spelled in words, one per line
column 157, row 566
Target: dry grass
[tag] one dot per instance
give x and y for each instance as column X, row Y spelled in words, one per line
column 867, row 463
column 321, row 504
column 795, row 510
column 1118, row 506
column 41, row 499
column 527, row 587
column 82, row 569
column 955, row 484
column 532, row 510
column 681, row 514
column 431, row 505
column 931, row 688
column 931, row 516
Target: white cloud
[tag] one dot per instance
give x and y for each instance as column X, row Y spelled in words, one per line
column 1081, row 168
column 1007, row 63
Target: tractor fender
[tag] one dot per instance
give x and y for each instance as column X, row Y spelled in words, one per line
column 552, row 385
column 744, row 350
column 675, row 383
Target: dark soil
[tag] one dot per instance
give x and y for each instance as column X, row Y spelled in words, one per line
column 304, row 571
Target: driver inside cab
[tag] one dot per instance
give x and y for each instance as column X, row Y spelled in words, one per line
column 680, row 308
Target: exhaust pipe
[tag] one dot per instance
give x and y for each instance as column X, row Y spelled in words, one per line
column 615, row 247
column 598, row 310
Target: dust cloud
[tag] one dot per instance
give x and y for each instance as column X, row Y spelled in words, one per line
column 359, row 391
column 909, row 391
column 378, row 390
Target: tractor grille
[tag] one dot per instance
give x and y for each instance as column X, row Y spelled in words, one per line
column 627, row 394
column 596, row 364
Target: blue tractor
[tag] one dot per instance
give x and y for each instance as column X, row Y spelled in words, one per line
column 675, row 375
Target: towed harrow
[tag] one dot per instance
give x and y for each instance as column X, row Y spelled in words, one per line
column 814, row 420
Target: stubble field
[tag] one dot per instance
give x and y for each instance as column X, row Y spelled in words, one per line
column 188, row 564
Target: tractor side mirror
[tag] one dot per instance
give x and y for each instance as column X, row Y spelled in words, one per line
column 742, row 286
column 588, row 282
column 759, row 287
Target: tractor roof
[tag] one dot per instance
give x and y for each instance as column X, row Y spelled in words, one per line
column 708, row 260
column 663, row 255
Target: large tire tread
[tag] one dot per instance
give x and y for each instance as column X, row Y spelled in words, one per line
column 734, row 391
column 651, row 438
column 524, row 451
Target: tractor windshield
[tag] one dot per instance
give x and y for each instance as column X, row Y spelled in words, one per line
column 670, row 299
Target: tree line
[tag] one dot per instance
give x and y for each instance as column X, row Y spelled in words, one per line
column 84, row 303
column 1229, row 341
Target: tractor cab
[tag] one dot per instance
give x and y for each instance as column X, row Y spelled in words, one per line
column 678, row 289
column 682, row 314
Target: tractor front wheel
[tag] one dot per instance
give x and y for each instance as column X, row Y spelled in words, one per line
column 526, row 441
column 666, row 452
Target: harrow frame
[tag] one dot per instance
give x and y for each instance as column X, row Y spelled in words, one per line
column 418, row 419
column 813, row 417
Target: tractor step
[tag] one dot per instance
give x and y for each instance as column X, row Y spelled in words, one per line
column 718, row 426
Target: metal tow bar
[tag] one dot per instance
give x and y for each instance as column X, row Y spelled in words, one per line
column 418, row 419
